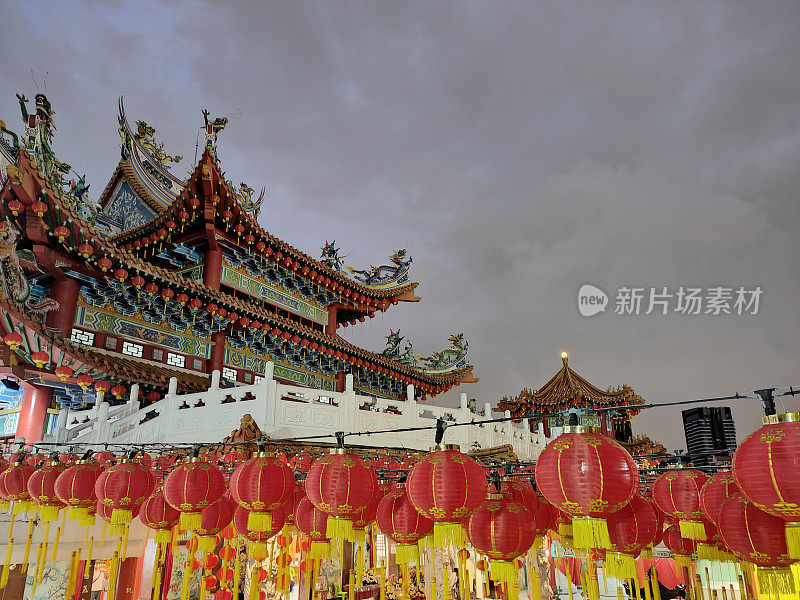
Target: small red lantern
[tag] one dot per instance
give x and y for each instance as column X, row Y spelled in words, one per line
column 40, row 358
column 765, row 468
column 677, row 494
column 191, row 487
column 75, row 488
column 447, row 486
column 631, row 529
column 314, row 523
column 589, row 476
column 61, row 233
column 502, row 529
column 13, row 340
column 714, row 492
column 84, row 381
column 102, row 387
column 262, row 485
column 215, row 517
column 41, row 487
column 157, row 514
column 123, row 488
column 137, row 281
column 14, row 485
column 257, row 539
column 39, row 208
column 397, row 518
column 16, row 207
column 85, row 250
column 680, row 546
column 118, row 391
column 63, row 372
column 340, row 485
column 120, row 275
column 104, row 263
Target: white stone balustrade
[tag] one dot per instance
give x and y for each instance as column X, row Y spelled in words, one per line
column 291, row 412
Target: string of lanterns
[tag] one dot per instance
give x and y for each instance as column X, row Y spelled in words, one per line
column 747, row 514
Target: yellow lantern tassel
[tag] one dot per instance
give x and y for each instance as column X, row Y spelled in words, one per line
column 449, row 534
column 7, row 564
column 69, row 591
column 44, row 549
column 793, row 539
column 404, row 568
column 125, row 543
column 445, row 581
column 112, row 576
column 655, row 585
column 590, row 532
column 255, row 585
column 505, row 572
column 88, row 567
column 191, row 521
column 351, row 593
column 36, row 569
column 237, row 569
column 692, row 530
column 187, row 573
column 619, row 592
column 223, row 582
column 337, row 528
column 203, row 577
column 621, row 566
column 568, row 571
column 259, row 521
column 162, row 551
column 55, row 543
column 103, row 536
column 774, row 581
column 536, row 585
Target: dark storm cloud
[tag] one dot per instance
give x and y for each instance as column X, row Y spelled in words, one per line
column 517, row 150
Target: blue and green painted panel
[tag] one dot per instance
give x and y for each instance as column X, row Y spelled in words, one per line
column 246, row 361
column 130, row 328
column 269, row 293
column 587, row 420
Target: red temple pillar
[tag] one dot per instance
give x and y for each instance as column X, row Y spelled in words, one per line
column 65, row 292
column 212, row 268
column 217, row 352
column 330, row 326
column 126, row 580
column 33, row 412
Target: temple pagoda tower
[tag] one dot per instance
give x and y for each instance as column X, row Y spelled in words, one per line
column 568, row 390
column 163, row 277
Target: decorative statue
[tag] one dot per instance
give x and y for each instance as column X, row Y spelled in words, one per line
column 145, row 135
column 245, row 197
column 212, row 129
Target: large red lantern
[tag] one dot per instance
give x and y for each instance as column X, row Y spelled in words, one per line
column 631, row 529
column 214, row 518
column 765, row 468
column 758, row 537
column 677, row 494
column 520, row 491
column 42, row 488
column 314, row 523
column 14, row 485
column 340, row 485
column 546, row 515
column 367, row 516
column 191, row 487
column 159, row 515
column 447, row 486
column 397, row 518
column 714, row 492
column 75, row 488
column 291, row 507
column 262, row 485
column 589, row 476
column 502, row 529
column 123, row 488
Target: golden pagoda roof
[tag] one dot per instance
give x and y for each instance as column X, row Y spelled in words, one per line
column 568, row 389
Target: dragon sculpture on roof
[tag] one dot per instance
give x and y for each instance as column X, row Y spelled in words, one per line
column 145, row 135
column 392, row 274
column 443, row 361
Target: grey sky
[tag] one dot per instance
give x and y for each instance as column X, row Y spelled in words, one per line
column 518, row 150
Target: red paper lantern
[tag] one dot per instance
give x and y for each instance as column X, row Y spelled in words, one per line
column 765, row 468
column 589, row 476
column 520, row 491
column 631, row 529
column 14, row 485
column 367, row 516
column 677, row 494
column 714, row 492
column 502, row 529
column 158, row 514
column 40, row 358
column 262, row 485
column 340, row 485
column 291, row 507
column 41, row 487
column 397, row 518
column 75, row 488
column 191, row 487
column 123, row 488
column 13, row 340
column 214, row 518
column 447, row 486
column 682, row 547
column 758, row 537
column 314, row 523
column 257, row 539
column 63, row 372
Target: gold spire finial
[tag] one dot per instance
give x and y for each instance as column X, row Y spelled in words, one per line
column 564, row 358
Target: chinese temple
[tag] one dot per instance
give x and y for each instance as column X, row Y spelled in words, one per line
column 163, row 277
column 612, row 410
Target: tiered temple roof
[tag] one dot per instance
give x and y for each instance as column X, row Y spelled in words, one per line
column 166, row 278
